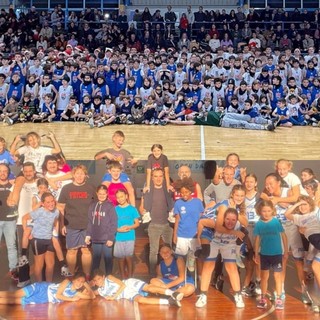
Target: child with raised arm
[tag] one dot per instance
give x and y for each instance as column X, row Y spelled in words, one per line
column 124, row 157
column 128, row 220
column 269, row 247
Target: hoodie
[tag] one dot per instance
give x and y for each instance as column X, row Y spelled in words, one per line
column 102, row 222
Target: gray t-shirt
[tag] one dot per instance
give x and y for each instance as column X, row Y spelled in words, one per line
column 159, row 213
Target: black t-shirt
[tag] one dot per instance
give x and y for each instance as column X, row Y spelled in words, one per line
column 4, row 208
column 77, row 200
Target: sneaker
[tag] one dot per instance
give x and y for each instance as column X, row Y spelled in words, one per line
column 190, row 261
column 219, row 283
column 152, row 121
column 315, row 308
column 173, row 302
column 50, row 119
column 239, row 261
column 314, row 124
column 91, row 123
column 275, row 120
column 100, row 124
column 146, row 217
column 238, row 300
column 14, row 275
column 262, row 304
column 156, row 121
column 8, row 121
column 65, row 271
column 270, row 127
column 202, row 301
column 163, row 122
column 177, row 296
column 305, row 296
column 171, row 217
column 23, row 283
column 14, row 212
column 247, row 291
column 279, row 304
column 257, row 289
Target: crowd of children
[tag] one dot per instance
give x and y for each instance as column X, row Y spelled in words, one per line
column 246, row 228
column 250, row 89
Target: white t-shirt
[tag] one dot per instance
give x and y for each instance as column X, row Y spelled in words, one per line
column 310, row 221
column 36, row 156
column 59, row 184
column 293, row 180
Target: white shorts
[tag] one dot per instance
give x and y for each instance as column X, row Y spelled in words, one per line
column 184, row 245
column 133, row 288
column 294, row 240
column 228, row 252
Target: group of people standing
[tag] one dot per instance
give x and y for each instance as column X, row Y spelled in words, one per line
column 229, row 225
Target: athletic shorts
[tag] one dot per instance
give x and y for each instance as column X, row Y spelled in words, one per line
column 271, row 262
column 134, row 287
column 123, row 249
column 189, row 280
column 75, row 238
column 184, row 245
column 41, row 246
column 36, row 293
column 227, row 251
column 294, row 240
column 315, row 240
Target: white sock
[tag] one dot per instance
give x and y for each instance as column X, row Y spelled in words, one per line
column 168, row 292
column 163, row 301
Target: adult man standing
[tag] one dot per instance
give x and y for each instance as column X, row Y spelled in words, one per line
column 7, row 225
column 158, row 201
column 29, row 188
column 221, row 191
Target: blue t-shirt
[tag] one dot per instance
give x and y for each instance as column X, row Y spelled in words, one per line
column 189, row 212
column 43, row 222
column 270, row 236
column 126, row 217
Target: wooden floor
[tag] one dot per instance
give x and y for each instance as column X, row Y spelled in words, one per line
column 79, row 142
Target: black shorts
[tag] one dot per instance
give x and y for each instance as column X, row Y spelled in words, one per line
column 271, row 262
column 41, row 246
column 315, row 240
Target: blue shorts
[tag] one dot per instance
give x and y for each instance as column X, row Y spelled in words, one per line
column 36, row 293
column 189, row 280
column 123, row 177
column 271, row 262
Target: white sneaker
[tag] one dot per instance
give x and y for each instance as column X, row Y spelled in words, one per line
column 202, row 301
column 91, row 123
column 23, row 283
column 146, row 217
column 171, row 217
column 65, row 271
column 238, row 300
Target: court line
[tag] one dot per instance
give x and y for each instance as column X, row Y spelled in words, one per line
column 265, row 314
column 202, row 144
column 136, row 310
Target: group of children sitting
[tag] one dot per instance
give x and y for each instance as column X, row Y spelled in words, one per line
column 107, row 88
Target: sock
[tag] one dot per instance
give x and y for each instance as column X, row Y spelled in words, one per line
column 163, row 301
column 61, row 263
column 24, row 251
column 203, row 292
column 282, row 287
column 168, row 292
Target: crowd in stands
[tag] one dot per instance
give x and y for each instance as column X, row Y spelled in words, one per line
column 254, row 71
